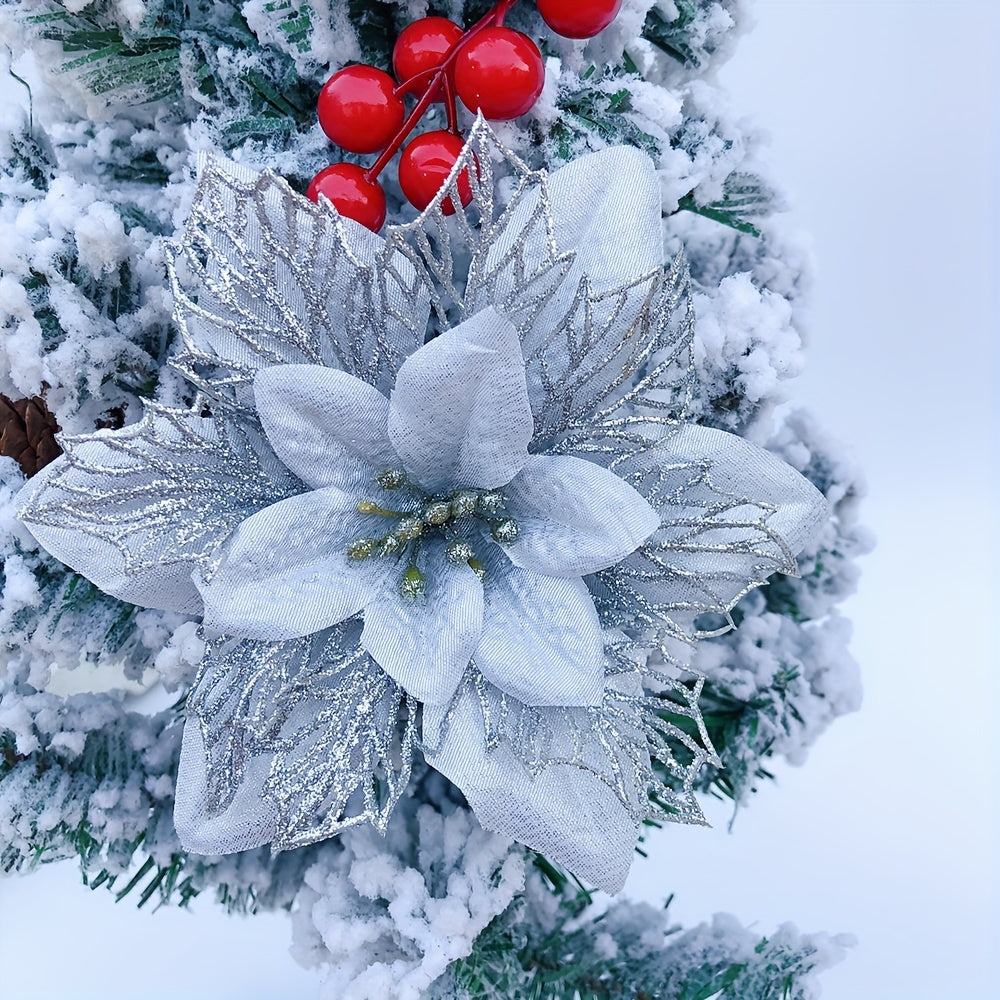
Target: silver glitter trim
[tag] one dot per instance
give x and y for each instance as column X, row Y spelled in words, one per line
column 654, row 590
column 264, row 277
column 166, row 490
column 340, row 731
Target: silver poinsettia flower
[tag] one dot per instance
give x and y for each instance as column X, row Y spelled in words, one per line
column 490, row 534
column 428, row 515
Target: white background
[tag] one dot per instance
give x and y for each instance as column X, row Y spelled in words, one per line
column 884, row 119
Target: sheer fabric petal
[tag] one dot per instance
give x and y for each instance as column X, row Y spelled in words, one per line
column 459, row 415
column 731, row 515
column 605, row 210
column 268, row 277
column 168, row 588
column 248, row 821
column 542, row 642
column 328, row 427
column 743, row 486
column 575, row 517
column 742, row 469
column 425, row 645
column 286, row 572
column 135, row 510
column 567, row 813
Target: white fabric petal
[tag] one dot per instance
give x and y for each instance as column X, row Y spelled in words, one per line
column 459, row 415
column 286, row 573
column 605, row 208
column 567, row 813
column 425, row 645
column 574, row 517
column 328, row 427
column 248, row 821
column 542, row 641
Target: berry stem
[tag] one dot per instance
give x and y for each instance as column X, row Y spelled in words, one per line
column 451, row 108
column 501, row 11
column 401, row 136
column 436, row 77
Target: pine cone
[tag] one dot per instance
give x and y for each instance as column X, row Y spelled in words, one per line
column 27, row 433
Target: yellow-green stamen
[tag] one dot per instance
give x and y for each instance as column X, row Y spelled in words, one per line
column 436, row 515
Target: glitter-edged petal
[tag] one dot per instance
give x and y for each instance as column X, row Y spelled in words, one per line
column 286, row 571
column 248, row 821
column 328, row 427
column 575, row 262
column 459, row 415
column 135, row 510
column 541, row 641
column 425, row 644
column 264, row 276
column 333, row 734
column 731, row 515
column 605, row 210
column 574, row 517
column 567, row 812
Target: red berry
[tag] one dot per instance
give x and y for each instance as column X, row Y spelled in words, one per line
column 425, row 165
column 499, row 72
column 578, row 18
column 422, row 46
column 359, row 110
column 352, row 194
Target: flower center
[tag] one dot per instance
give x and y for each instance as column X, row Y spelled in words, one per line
column 437, row 516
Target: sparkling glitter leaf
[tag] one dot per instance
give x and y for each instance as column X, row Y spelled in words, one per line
column 592, row 344
column 530, row 771
column 264, row 277
column 731, row 515
column 137, row 509
column 340, row 734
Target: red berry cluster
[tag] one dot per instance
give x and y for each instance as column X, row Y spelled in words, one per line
column 491, row 68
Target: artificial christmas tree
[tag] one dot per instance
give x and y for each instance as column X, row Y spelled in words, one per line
column 569, row 431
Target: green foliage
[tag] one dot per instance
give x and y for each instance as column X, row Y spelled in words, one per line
column 738, row 729
column 782, row 593
column 188, row 56
column 30, row 161
column 146, row 68
column 375, row 23
column 153, row 879
column 745, row 197
column 76, row 595
column 614, row 956
column 101, row 300
column 294, row 22
column 45, row 775
column 600, row 108
column 674, row 37
column 263, row 100
column 161, row 872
